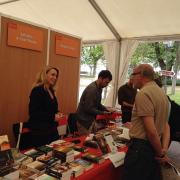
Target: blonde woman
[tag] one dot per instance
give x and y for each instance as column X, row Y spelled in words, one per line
column 43, row 108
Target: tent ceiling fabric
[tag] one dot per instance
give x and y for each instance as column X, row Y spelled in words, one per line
column 142, row 17
column 77, row 17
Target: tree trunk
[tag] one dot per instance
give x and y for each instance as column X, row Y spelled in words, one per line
column 94, row 69
column 162, row 64
column 176, row 64
column 91, row 69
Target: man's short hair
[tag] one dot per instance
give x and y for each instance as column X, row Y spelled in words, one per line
column 146, row 71
column 105, row 74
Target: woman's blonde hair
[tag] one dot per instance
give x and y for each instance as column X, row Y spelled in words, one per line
column 42, row 76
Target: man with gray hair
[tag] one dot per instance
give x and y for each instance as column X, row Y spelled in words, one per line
column 149, row 119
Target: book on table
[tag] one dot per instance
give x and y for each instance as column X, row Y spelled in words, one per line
column 45, row 149
column 45, row 177
column 34, row 154
column 6, row 158
column 85, row 164
column 64, row 153
column 77, row 169
column 61, row 171
column 93, row 158
column 37, row 165
column 26, row 173
column 102, row 143
column 4, row 143
column 13, row 174
column 49, row 160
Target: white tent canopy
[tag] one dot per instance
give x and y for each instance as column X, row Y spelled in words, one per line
column 130, row 18
column 120, row 21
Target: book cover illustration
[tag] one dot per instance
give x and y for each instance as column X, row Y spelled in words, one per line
column 34, row 154
column 61, row 171
column 4, row 143
column 102, row 143
column 85, row 164
column 93, row 158
column 37, row 165
column 77, row 169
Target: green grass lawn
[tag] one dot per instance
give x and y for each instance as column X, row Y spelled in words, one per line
column 176, row 97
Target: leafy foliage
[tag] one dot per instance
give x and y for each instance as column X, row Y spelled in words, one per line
column 158, row 53
column 90, row 56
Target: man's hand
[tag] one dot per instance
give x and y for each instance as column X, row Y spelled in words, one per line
column 110, row 109
column 164, row 160
column 127, row 104
column 107, row 112
column 128, row 125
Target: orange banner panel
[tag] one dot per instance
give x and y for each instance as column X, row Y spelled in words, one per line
column 24, row 36
column 67, row 46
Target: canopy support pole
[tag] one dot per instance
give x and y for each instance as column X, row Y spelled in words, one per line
column 105, row 19
column 6, row 2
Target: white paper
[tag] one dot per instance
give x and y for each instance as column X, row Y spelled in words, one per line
column 110, row 142
column 62, row 129
column 117, row 158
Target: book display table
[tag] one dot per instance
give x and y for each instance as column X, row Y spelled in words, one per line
column 103, row 171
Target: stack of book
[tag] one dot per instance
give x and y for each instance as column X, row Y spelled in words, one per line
column 61, row 143
column 64, row 145
column 85, row 164
column 45, row 149
column 77, row 169
column 93, row 158
column 28, row 173
column 6, row 162
column 60, row 171
column 49, row 160
column 6, row 158
column 34, row 154
column 37, row 165
column 20, row 158
column 13, row 174
column 4, row 143
column 45, row 177
column 64, row 153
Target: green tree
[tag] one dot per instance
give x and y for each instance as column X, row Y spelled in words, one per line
column 158, row 53
column 90, row 56
column 164, row 54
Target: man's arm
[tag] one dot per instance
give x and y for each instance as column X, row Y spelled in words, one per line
column 152, row 135
column 166, row 137
column 90, row 103
column 120, row 95
column 124, row 103
column 165, row 144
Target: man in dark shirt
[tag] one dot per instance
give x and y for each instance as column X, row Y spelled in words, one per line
column 126, row 97
column 90, row 103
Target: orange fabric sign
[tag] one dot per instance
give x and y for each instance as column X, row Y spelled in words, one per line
column 67, row 46
column 24, row 36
